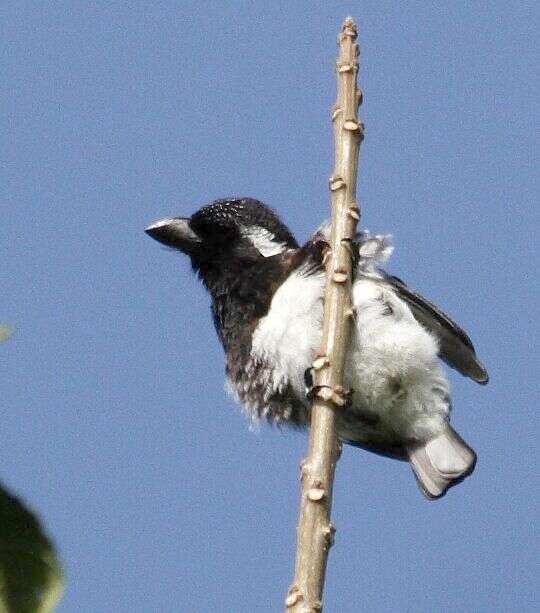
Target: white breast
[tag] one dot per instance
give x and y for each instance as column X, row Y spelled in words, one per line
column 290, row 335
column 392, row 364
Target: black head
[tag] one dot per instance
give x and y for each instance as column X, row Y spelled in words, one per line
column 236, row 247
column 239, row 229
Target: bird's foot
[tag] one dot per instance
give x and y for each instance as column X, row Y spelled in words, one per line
column 344, row 396
column 308, row 383
column 338, row 395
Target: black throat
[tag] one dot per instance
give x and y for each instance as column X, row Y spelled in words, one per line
column 241, row 294
column 242, row 291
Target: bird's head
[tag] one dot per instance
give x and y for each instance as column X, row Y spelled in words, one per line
column 233, row 230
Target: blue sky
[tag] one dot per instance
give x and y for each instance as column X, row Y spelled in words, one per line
column 115, row 425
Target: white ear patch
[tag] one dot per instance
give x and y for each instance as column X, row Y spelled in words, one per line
column 263, row 240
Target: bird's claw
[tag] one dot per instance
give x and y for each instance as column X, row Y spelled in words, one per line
column 342, row 396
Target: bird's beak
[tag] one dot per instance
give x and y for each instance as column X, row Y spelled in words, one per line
column 173, row 232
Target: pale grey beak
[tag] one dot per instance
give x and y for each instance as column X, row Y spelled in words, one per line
column 173, row 232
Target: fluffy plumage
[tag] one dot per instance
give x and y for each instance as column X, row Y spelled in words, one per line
column 267, row 303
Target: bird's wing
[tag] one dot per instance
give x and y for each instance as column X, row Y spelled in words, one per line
column 456, row 348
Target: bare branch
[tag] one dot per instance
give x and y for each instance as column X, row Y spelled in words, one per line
column 315, row 532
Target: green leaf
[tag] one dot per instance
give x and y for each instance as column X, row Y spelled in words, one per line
column 31, row 578
column 5, row 332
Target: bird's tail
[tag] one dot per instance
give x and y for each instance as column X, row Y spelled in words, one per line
column 441, row 462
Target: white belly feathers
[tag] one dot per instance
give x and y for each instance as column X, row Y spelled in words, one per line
column 392, row 364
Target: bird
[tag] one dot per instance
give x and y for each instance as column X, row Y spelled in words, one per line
column 267, row 300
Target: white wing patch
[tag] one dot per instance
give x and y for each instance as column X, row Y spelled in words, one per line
column 264, row 241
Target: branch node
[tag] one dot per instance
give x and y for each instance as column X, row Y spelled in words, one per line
column 321, row 362
column 354, row 212
column 329, row 531
column 351, row 312
column 326, row 256
column 304, row 469
column 351, row 125
column 349, row 28
column 293, row 596
column 316, row 494
column 346, row 244
column 340, row 276
column 336, row 183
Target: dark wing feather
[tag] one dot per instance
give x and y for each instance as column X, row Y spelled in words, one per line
column 456, row 348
